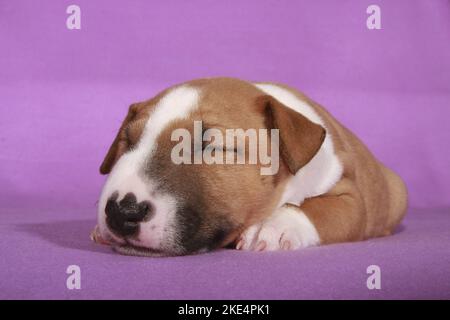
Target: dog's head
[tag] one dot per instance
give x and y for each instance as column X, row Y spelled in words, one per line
column 154, row 204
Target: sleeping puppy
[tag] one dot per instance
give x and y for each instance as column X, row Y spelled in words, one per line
column 164, row 196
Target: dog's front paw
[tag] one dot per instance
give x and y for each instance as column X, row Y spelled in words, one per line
column 287, row 228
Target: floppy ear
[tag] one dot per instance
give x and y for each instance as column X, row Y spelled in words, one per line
column 300, row 138
column 120, row 144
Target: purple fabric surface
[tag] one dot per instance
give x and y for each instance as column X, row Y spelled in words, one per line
column 37, row 250
column 63, row 94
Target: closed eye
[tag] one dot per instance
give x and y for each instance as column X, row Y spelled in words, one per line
column 209, row 146
column 235, row 150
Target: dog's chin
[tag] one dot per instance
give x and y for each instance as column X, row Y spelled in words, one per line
column 131, row 250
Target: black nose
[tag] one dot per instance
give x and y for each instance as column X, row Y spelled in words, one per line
column 123, row 217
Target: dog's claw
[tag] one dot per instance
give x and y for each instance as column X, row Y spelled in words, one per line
column 97, row 238
column 240, row 244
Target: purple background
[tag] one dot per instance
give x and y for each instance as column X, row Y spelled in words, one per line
column 63, row 94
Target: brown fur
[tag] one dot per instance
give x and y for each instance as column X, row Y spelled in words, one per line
column 368, row 201
column 243, row 201
column 300, row 138
column 129, row 132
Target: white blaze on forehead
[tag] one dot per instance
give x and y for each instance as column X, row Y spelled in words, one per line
column 126, row 175
column 177, row 104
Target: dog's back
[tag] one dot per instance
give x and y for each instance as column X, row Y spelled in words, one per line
column 383, row 193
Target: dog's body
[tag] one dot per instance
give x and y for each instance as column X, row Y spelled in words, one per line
column 329, row 187
column 355, row 197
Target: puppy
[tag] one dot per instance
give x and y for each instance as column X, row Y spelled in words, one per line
column 326, row 188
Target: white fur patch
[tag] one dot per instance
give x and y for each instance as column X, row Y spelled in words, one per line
column 288, row 228
column 324, row 170
column 126, row 175
column 290, row 100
